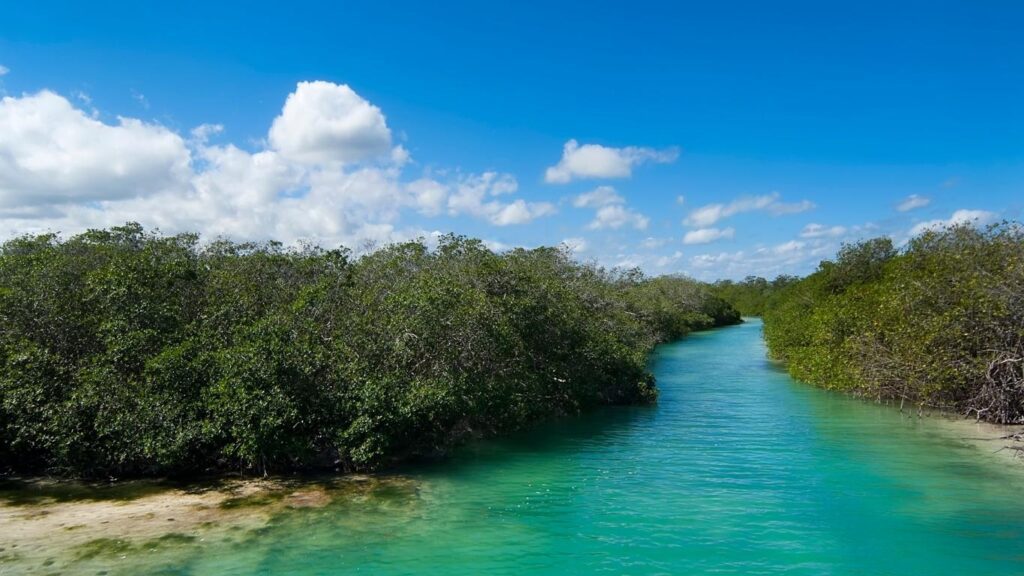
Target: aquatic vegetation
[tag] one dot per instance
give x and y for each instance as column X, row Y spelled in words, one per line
column 102, row 547
column 112, row 547
column 253, row 500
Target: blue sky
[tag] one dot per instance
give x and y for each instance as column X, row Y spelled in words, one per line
column 713, row 139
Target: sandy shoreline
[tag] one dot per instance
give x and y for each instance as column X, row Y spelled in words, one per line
column 47, row 533
column 984, row 436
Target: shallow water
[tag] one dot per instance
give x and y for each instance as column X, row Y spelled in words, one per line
column 737, row 470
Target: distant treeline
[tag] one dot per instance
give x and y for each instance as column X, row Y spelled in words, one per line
column 938, row 323
column 750, row 296
column 124, row 352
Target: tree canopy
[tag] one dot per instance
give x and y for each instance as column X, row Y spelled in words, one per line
column 127, row 352
column 750, row 295
column 939, row 322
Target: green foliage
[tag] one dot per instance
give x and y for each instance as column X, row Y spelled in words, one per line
column 124, row 352
column 750, row 295
column 940, row 323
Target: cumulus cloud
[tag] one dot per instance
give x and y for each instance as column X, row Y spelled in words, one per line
column 707, row 235
column 576, row 245
column 52, row 152
column 665, row 261
column 236, row 194
column 472, row 193
column 610, row 210
column 710, row 214
column 820, row 231
column 323, row 123
column 520, row 212
column 651, row 263
column 328, row 172
column 429, row 196
column 767, row 261
column 600, row 196
column 782, row 208
column 615, row 216
column 201, row 134
column 973, row 217
column 713, row 260
column 913, row 202
column 651, row 242
column 596, row 161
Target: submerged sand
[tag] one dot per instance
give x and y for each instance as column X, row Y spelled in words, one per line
column 1000, row 439
column 50, row 527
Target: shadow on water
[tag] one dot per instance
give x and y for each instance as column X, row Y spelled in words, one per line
column 562, row 436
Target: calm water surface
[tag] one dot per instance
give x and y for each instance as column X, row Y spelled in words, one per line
column 737, row 470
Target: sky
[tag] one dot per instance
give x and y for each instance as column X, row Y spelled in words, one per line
column 713, row 139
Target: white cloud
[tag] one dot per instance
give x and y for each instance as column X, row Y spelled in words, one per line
column 791, row 247
column 651, row 242
column 471, row 193
column 600, row 196
column 709, row 214
column 63, row 170
column 712, row 260
column 913, row 202
column 630, row 261
column 399, row 155
column 665, row 261
column 611, row 211
column 767, row 261
column 680, row 200
column 4, row 70
column 202, row 133
column 576, row 245
column 819, row 231
column 712, row 213
column 707, row 235
column 520, row 212
column 235, row 182
column 781, row 208
column 616, row 216
column 974, row 217
column 651, row 263
column 324, row 123
column 51, row 152
column 596, row 161
column 429, row 195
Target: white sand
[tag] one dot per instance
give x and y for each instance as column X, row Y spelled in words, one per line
column 51, row 536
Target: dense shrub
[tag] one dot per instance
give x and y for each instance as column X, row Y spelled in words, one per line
column 128, row 353
column 939, row 323
column 750, row 295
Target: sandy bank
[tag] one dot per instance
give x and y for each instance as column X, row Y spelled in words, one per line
column 52, row 527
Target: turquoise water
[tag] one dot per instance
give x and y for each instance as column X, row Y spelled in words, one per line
column 737, row 470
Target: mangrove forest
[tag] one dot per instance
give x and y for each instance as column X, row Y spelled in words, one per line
column 125, row 352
